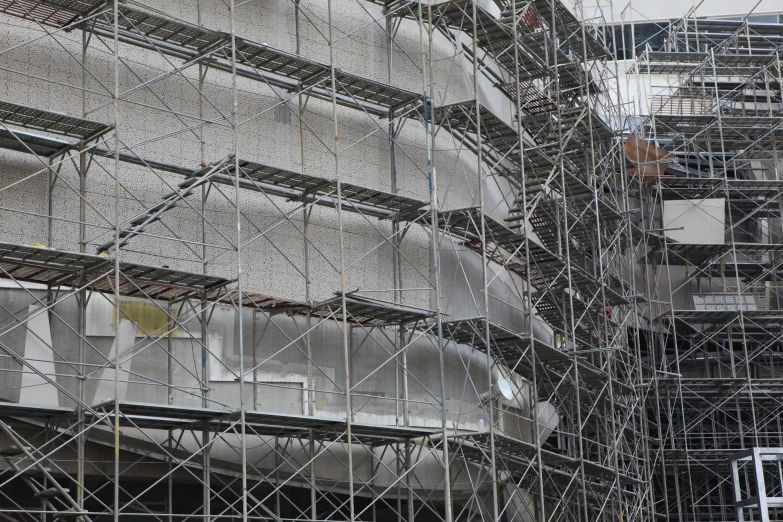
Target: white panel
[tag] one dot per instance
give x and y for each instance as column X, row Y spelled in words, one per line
column 703, row 221
column 126, row 335
column 38, row 354
column 218, row 365
column 548, row 419
column 100, row 316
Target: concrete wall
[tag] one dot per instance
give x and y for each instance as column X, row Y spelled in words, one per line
column 46, row 74
column 161, row 123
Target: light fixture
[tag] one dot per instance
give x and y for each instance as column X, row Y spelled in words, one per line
column 500, row 389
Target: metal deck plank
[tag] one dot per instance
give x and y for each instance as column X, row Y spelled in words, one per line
column 13, row 409
column 370, row 312
column 259, row 422
column 47, row 121
column 53, row 13
column 68, row 266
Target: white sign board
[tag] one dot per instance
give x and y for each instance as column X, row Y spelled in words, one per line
column 695, row 221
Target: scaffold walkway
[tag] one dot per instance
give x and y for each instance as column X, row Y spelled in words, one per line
column 294, row 186
column 56, row 268
column 261, row 423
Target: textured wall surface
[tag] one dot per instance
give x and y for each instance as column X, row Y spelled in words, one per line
column 161, row 122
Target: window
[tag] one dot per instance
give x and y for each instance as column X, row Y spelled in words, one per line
column 619, row 38
column 763, row 19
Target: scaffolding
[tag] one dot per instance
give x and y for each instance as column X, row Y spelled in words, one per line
column 217, row 329
column 711, row 100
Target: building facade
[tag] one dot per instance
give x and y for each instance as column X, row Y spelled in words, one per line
column 366, row 260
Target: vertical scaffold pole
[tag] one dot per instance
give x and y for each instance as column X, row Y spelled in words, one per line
column 344, row 305
column 240, row 275
column 484, row 261
column 117, row 189
column 516, row 20
column 435, row 253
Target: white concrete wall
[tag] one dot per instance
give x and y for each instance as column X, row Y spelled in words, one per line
column 46, row 74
